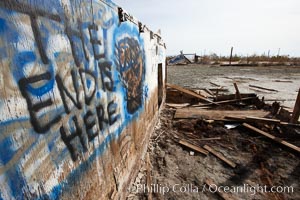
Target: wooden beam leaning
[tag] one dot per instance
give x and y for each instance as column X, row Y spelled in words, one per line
column 276, row 139
column 190, row 93
column 220, row 156
column 237, row 92
column 196, row 113
column 263, row 120
column 195, row 148
column 262, row 88
column 227, row 101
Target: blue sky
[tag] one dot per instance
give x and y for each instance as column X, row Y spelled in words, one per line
column 214, row 26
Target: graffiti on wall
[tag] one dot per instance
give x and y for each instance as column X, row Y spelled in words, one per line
column 130, row 65
column 72, row 77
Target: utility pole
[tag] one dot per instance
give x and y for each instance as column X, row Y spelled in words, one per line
column 230, row 56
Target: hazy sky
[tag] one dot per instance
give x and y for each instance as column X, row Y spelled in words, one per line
column 206, row 26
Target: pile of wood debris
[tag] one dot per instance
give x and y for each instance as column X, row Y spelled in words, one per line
column 234, row 110
column 207, row 137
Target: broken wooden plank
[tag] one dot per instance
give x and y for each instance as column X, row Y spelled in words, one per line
column 195, row 113
column 227, row 101
column 204, row 93
column 233, row 96
column 214, row 84
column 261, row 119
column 195, row 148
column 176, row 105
column 235, row 100
column 237, row 92
column 219, row 155
column 209, row 92
column 276, row 139
column 207, row 139
column 218, row 89
column 210, row 183
column 262, row 88
column 296, row 111
column 278, row 99
column 189, row 92
column 283, row 81
column 234, row 118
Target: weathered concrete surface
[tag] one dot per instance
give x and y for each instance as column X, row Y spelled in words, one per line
column 78, row 98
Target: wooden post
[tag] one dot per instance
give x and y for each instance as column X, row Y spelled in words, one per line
column 230, row 56
column 283, row 142
column 237, row 92
column 296, row 111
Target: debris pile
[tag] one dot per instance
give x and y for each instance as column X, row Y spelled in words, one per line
column 208, row 137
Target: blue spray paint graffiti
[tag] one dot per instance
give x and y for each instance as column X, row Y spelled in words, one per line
column 70, row 67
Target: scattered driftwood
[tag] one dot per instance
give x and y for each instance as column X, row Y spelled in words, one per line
column 195, row 148
column 283, row 81
column 219, row 155
column 221, row 193
column 276, row 139
column 189, row 93
column 262, row 88
column 214, row 84
column 194, row 113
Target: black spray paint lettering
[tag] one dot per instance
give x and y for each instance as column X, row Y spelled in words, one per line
column 91, row 129
column 65, row 93
column 90, row 123
column 111, row 113
column 38, row 39
column 95, row 41
column 88, row 75
column 112, row 110
column 35, row 108
column 81, row 47
column 75, row 46
column 67, row 139
column 82, row 40
column 80, row 52
column 106, row 76
column 101, row 119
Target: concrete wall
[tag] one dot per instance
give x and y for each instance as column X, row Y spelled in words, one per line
column 78, row 98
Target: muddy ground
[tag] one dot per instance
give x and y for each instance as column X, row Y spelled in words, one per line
column 177, row 172
column 284, row 79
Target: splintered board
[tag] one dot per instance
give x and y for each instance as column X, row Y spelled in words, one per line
column 189, row 93
column 193, row 113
